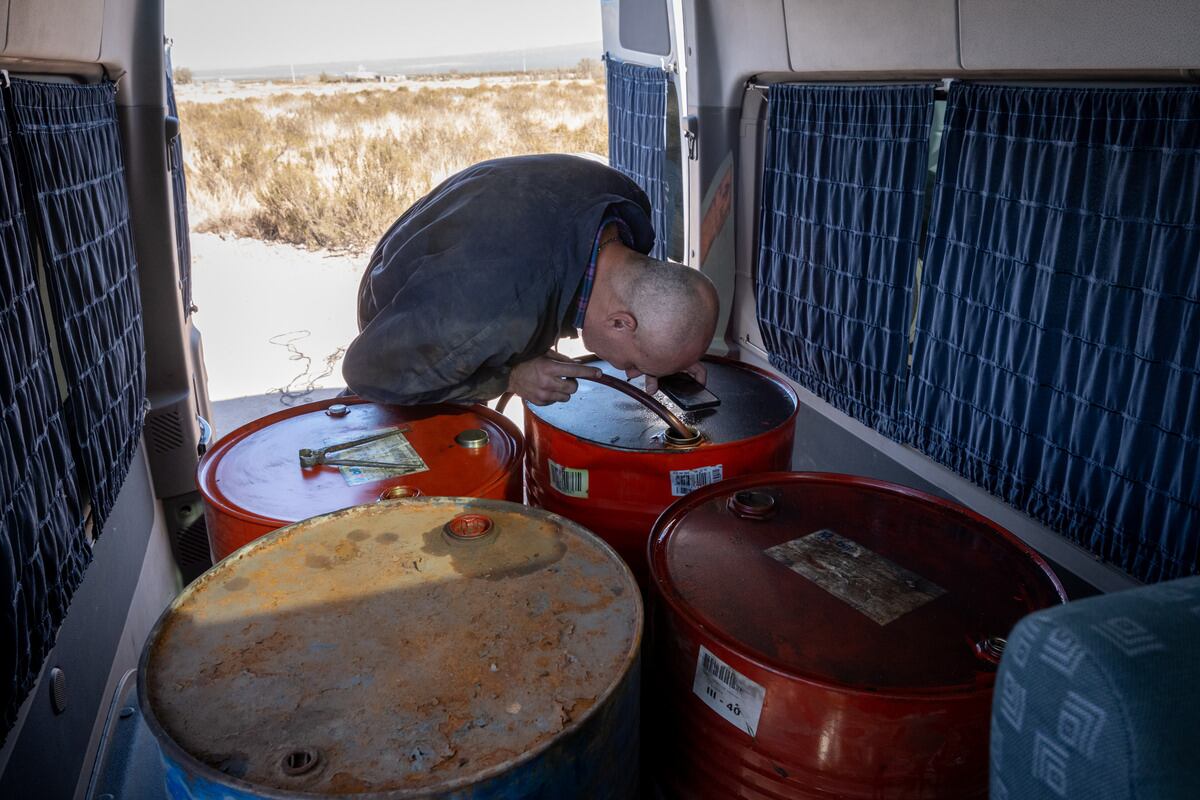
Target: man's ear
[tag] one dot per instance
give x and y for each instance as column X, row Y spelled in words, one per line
column 622, row 322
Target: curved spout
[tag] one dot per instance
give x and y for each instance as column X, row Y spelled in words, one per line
column 681, row 428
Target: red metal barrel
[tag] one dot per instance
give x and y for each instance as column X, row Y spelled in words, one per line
column 828, row 636
column 603, row 460
column 253, row 481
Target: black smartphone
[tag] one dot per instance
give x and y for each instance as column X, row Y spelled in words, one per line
column 687, row 392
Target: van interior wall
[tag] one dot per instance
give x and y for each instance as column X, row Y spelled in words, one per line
column 130, row 580
column 132, row 576
column 732, row 45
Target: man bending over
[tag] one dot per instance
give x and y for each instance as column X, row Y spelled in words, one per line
column 469, row 290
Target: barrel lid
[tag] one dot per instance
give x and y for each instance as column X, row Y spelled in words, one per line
column 379, row 649
column 848, row 581
column 438, row 450
column 752, row 403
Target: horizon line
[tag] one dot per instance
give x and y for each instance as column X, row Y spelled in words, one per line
column 431, row 58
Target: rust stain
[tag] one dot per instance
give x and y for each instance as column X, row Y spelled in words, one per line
column 505, row 553
column 347, row 551
column 717, row 212
column 345, row 783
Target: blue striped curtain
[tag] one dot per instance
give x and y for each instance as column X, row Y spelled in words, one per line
column 67, row 136
column 637, row 137
column 842, row 196
column 183, row 244
column 43, row 550
column 1057, row 354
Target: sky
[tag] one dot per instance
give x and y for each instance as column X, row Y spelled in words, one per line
column 217, row 34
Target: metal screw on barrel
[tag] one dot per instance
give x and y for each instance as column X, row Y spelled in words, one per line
column 299, row 761
column 399, row 492
column 751, row 504
column 991, row 649
column 469, row 527
column 472, row 439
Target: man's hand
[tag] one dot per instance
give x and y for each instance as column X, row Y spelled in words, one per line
column 547, row 379
column 696, row 370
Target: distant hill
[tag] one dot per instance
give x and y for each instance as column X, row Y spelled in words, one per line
column 500, row 61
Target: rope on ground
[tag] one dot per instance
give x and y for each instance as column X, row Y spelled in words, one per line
column 305, row 382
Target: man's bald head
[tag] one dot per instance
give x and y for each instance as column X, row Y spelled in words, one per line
column 657, row 317
column 675, row 307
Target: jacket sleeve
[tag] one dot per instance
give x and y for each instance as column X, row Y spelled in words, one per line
column 423, row 349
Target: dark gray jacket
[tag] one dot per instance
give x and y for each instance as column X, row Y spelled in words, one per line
column 481, row 274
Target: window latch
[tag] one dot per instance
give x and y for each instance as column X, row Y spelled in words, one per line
column 171, row 129
column 691, row 132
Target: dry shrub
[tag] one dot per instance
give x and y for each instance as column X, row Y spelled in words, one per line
column 335, row 169
column 291, row 201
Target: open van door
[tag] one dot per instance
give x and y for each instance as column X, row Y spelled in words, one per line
column 645, row 106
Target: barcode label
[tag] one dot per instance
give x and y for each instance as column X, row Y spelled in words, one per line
column 686, row 481
column 721, row 672
column 726, row 691
column 571, row 482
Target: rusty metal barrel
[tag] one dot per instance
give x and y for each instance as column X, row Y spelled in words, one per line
column 258, row 478
column 433, row 648
column 606, row 461
column 822, row 636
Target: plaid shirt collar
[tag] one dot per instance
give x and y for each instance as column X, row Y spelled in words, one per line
column 584, row 294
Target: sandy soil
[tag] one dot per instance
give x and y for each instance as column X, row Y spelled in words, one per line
column 255, row 298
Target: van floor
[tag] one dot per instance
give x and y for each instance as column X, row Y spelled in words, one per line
column 228, row 415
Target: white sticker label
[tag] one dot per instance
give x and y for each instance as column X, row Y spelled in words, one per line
column 571, row 482
column 728, row 692
column 394, row 449
column 685, row 481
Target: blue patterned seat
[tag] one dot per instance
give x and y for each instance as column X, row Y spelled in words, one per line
column 1100, row 698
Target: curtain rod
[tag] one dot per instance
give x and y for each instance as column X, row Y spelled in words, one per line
column 939, row 92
